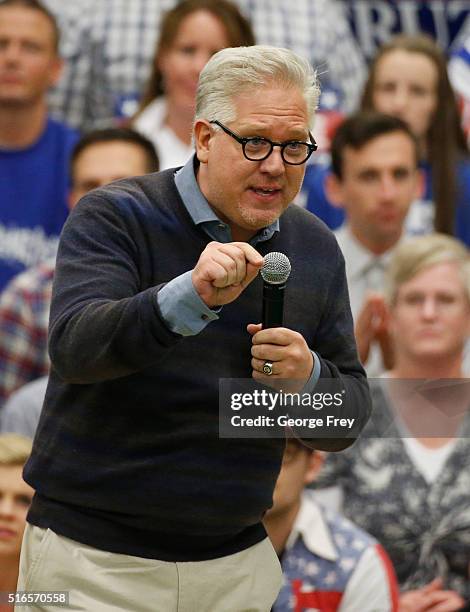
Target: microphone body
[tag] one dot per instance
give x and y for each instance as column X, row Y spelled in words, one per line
column 275, row 272
column 273, row 305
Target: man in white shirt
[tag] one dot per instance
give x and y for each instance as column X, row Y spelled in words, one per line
column 374, row 178
column 328, row 563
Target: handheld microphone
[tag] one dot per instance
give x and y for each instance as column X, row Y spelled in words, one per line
column 275, row 272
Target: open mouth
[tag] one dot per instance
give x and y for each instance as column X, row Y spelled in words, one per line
column 266, row 193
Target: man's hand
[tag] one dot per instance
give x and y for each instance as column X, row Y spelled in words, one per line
column 224, row 270
column 430, row 598
column 286, row 350
column 373, row 326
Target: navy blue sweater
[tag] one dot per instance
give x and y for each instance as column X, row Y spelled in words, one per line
column 127, row 456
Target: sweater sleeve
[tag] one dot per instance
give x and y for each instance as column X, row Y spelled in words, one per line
column 105, row 322
column 341, row 370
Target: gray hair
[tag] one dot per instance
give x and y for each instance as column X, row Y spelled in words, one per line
column 416, row 254
column 237, row 70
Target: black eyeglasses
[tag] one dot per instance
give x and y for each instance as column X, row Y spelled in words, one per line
column 257, row 148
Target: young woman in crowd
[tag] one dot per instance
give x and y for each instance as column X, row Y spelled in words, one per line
column 408, row 78
column 190, row 34
column 406, row 479
column 15, row 499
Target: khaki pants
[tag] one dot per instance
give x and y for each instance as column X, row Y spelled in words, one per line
column 100, row 581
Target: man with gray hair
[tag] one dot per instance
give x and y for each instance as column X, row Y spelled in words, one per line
column 139, row 503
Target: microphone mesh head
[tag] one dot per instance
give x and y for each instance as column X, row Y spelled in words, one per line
column 276, row 268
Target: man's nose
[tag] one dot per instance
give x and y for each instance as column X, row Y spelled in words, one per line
column 388, row 188
column 429, row 308
column 6, row 507
column 273, row 164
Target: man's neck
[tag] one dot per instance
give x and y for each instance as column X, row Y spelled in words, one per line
column 446, row 367
column 375, row 247
column 20, row 127
column 279, row 528
column 241, row 235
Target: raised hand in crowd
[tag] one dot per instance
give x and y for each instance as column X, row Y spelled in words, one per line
column 431, row 598
column 372, row 325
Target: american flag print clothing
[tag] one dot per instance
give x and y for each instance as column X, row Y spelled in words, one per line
column 330, row 565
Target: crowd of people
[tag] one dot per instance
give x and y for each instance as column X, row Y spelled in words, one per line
column 124, row 285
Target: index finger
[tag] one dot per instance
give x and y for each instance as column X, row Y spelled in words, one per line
column 251, row 254
column 274, row 335
column 434, row 585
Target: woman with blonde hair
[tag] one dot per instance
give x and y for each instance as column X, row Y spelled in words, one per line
column 15, row 499
column 190, row 34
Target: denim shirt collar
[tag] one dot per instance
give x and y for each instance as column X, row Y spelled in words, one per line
column 201, row 212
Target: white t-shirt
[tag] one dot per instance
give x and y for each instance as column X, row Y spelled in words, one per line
column 172, row 152
column 429, row 461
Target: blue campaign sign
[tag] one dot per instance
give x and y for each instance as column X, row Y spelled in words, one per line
column 374, row 21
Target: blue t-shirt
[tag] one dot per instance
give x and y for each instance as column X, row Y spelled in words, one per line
column 420, row 219
column 313, row 196
column 34, row 185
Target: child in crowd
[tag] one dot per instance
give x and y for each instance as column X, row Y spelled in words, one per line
column 15, row 499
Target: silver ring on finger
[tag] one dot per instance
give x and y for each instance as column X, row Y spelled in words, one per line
column 268, row 368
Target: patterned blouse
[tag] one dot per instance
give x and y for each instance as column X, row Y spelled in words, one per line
column 424, row 527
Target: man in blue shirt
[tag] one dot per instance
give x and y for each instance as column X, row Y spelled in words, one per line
column 34, row 149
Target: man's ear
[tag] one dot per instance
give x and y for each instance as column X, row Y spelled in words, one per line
column 420, row 188
column 56, row 71
column 71, row 199
column 334, row 190
column 74, row 197
column 466, row 330
column 202, row 137
column 315, row 463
